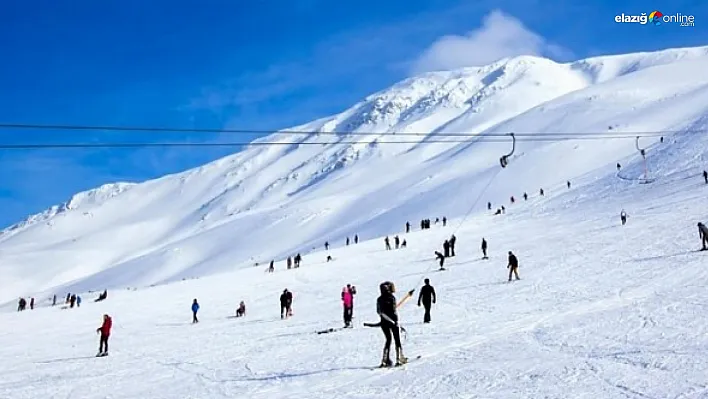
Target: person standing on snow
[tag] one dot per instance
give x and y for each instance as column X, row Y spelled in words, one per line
column 441, row 258
column 21, row 304
column 484, row 249
column 397, row 241
column 352, row 290
column 356, row 239
column 513, row 265
column 31, row 303
column 54, row 300
column 541, row 192
column 489, row 206
column 619, row 166
column 72, row 300
column 78, row 301
column 444, row 221
column 427, row 297
column 703, row 233
column 347, row 241
column 386, row 309
column 388, row 243
column 241, row 311
column 286, row 302
column 290, row 262
column 568, row 183
column 705, row 176
column 446, row 248
column 347, row 303
column 326, row 245
column 453, row 239
column 408, row 227
column 105, row 331
column 195, row 309
column 623, row 217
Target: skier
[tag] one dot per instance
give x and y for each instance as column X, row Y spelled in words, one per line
column 68, row 297
column 619, row 166
column 498, row 212
column 437, row 220
column 102, row 296
column 347, row 303
column 386, row 308
column 444, row 221
column 513, row 265
column 105, row 331
column 72, row 300
column 271, row 267
column 298, row 259
column 541, row 192
column 403, row 244
column 422, row 224
column 441, row 258
column 352, row 290
column 503, row 209
column 703, row 233
column 286, row 301
column 290, row 262
column 21, row 304
column 78, row 301
column 452, row 241
column 512, row 199
column 568, row 183
column 388, row 243
column 31, row 303
column 54, row 300
column 623, row 217
column 446, row 248
column 427, row 297
column 705, row 176
column 489, row 206
column 526, row 197
column 356, row 239
column 195, row 309
column 329, row 258
column 408, row 227
column 241, row 311
column 484, row 249
column 326, row 245
column 397, row 241
column 347, row 241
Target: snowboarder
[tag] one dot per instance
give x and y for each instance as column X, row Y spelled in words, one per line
column 513, row 265
column 444, row 221
column 347, row 241
column 623, row 217
column 526, row 197
column 31, row 303
column 105, row 331
column 568, row 183
column 441, row 258
column 195, row 309
column 705, row 176
column 388, row 243
column 446, row 248
column 241, row 311
column 356, row 239
column 386, row 308
column 347, row 303
column 290, row 262
column 484, row 249
column 427, row 297
column 703, row 233
column 54, row 300
column 452, row 241
column 408, row 227
column 286, row 302
column 326, row 245
column 397, row 241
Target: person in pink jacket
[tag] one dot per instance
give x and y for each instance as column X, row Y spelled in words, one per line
column 348, row 302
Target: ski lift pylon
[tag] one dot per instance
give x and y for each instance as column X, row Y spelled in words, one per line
column 504, row 160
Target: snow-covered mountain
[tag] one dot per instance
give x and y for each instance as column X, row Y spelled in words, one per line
column 271, row 201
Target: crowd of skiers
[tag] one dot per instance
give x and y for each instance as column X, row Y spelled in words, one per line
column 70, row 301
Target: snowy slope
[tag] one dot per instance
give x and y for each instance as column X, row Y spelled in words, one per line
column 602, row 311
column 269, row 202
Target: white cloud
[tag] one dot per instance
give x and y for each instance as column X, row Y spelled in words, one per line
column 500, row 36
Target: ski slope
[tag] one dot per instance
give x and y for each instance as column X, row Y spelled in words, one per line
column 602, row 311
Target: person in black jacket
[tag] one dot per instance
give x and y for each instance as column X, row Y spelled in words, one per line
column 386, row 308
column 705, row 176
column 513, row 265
column 484, row 249
column 441, row 258
column 703, row 233
column 446, row 248
column 452, row 241
column 427, row 298
column 286, row 302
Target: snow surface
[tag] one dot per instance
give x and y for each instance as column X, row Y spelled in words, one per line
column 602, row 310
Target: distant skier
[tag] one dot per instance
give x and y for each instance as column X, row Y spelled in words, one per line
column 329, row 258
column 489, row 206
column 452, row 241
column 403, row 244
column 326, row 245
column 388, row 243
column 241, row 311
column 568, row 183
column 290, row 262
column 444, row 221
column 68, row 297
column 498, row 212
column 102, row 296
column 195, row 309
column 352, row 290
column 386, row 308
column 347, row 241
column 440, row 258
column 271, row 267
column 347, row 303
column 503, row 209
column 286, row 303
column 705, row 176
column 397, row 241
column 541, row 192
column 703, row 233
column 408, row 227
column 484, row 249
column 427, row 297
column 21, row 304
column 78, row 301
column 54, row 300
column 446, row 248
column 356, row 239
column 623, row 217
column 31, row 303
column 105, row 331
column 298, row 259
column 512, row 199
column 619, row 166
column 437, row 220
column 526, row 197
column 72, row 300
column 513, row 266
column 422, row 224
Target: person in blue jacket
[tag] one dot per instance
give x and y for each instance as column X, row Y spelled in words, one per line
column 195, row 309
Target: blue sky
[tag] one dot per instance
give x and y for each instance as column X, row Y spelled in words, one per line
column 251, row 65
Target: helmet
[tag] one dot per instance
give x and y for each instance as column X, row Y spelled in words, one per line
column 387, row 287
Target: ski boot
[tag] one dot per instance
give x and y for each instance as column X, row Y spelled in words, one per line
column 400, row 359
column 386, row 359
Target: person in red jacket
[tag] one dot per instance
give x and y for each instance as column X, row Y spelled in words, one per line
column 105, row 331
